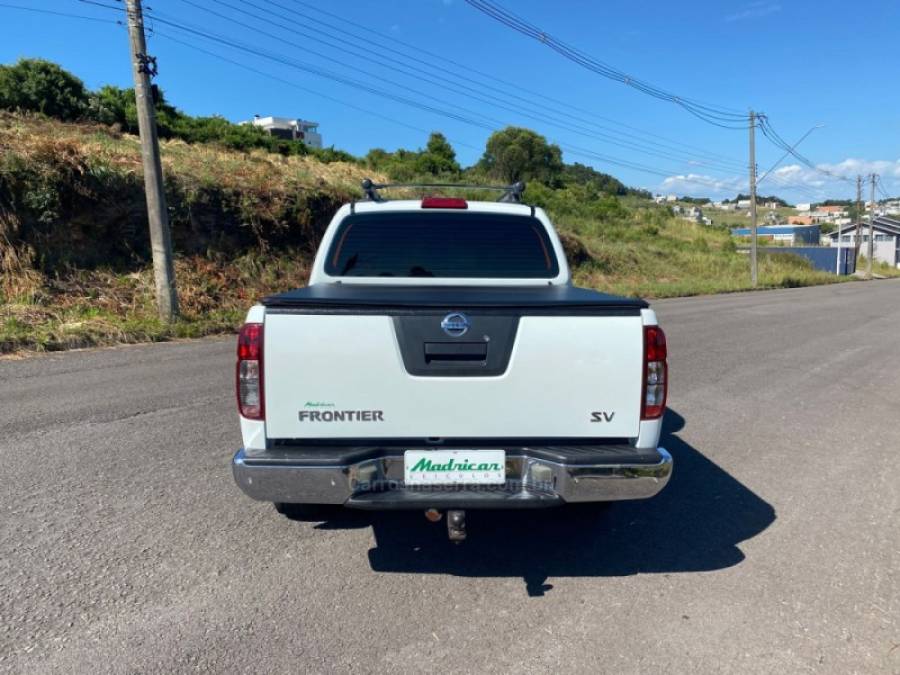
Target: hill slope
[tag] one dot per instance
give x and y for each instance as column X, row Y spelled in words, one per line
column 74, row 253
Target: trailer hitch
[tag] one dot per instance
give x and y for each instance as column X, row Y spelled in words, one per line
column 456, row 526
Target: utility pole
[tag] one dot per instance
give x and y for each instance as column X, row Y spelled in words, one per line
column 143, row 67
column 859, row 215
column 871, row 248
column 753, row 243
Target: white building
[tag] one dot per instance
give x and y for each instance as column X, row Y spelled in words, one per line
column 290, row 129
column 743, row 204
column 885, row 244
column 803, row 207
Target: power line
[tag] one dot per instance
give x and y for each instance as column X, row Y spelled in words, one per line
column 284, row 61
column 713, row 115
column 518, row 89
column 65, row 14
column 462, row 89
column 320, row 72
column 118, row 8
column 770, row 133
column 574, row 150
column 290, row 83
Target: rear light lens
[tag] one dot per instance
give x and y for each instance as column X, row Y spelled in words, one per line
column 655, row 373
column 249, row 375
column 444, row 203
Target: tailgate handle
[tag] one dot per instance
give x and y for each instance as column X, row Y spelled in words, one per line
column 455, row 351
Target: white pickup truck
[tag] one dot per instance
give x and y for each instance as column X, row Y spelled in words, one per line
column 440, row 359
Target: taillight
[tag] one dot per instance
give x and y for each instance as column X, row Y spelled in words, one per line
column 444, row 203
column 655, row 373
column 249, row 376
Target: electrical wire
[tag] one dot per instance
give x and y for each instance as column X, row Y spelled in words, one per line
column 323, row 73
column 514, row 98
column 55, row 13
column 444, row 85
column 340, row 101
column 515, row 90
column 713, row 115
column 769, row 132
column 285, row 61
column 575, row 150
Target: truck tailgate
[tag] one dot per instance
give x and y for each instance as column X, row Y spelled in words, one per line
column 533, row 370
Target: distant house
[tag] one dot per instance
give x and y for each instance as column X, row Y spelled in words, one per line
column 771, row 205
column 804, row 207
column 800, row 220
column 786, row 234
column 836, row 211
column 743, row 203
column 290, row 129
column 886, row 239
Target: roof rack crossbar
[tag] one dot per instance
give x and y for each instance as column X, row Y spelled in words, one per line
column 510, row 193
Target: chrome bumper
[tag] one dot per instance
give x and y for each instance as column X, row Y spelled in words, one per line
column 378, row 484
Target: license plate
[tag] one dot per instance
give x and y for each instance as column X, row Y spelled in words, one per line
column 454, row 467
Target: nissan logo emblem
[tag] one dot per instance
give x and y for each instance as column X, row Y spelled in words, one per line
column 455, row 325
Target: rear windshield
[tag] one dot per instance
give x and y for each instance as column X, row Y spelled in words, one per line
column 441, row 244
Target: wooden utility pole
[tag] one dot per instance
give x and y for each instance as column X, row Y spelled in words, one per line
column 160, row 238
column 859, row 215
column 753, row 243
column 871, row 247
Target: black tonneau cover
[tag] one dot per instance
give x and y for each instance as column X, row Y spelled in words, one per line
column 363, row 297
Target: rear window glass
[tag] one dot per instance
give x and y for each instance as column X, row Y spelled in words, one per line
column 441, row 244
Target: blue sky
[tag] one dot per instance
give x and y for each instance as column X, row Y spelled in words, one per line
column 802, row 62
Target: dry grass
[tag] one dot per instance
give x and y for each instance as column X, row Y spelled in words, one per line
column 88, row 308
column 36, row 139
column 627, row 248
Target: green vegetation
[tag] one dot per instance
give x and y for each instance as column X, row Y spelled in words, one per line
column 44, row 87
column 517, row 154
column 35, row 85
column 760, row 199
column 438, row 159
column 247, row 217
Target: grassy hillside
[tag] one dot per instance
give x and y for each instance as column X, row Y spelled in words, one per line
column 74, row 255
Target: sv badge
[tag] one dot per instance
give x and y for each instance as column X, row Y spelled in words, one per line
column 602, row 416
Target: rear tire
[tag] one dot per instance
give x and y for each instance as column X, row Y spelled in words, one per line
column 317, row 512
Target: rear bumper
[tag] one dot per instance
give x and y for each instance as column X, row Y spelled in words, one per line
column 377, row 483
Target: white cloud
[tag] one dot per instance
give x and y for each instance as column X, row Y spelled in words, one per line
column 794, row 182
column 701, row 184
column 755, row 10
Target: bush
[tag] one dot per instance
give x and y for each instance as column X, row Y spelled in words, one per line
column 37, row 85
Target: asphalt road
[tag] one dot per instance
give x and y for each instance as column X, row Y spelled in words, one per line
column 125, row 546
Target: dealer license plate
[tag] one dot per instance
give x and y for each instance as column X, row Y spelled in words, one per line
column 454, row 467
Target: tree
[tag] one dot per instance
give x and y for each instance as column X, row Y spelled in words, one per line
column 114, row 105
column 439, row 156
column 514, row 154
column 41, row 86
column 580, row 174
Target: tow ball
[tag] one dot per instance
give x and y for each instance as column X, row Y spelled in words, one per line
column 456, row 526
column 456, row 523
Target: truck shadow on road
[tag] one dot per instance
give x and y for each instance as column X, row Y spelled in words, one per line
column 695, row 524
